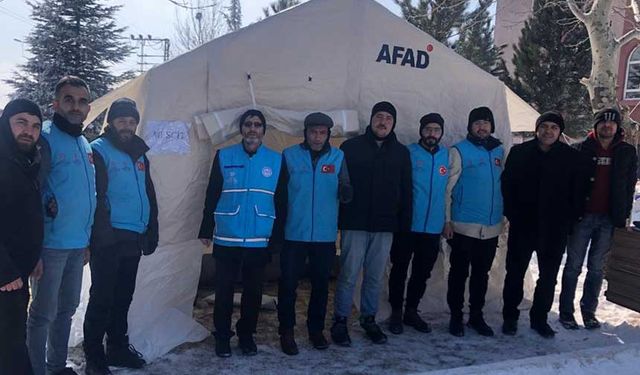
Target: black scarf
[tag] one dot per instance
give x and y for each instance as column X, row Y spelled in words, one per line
column 488, row 143
column 74, row 130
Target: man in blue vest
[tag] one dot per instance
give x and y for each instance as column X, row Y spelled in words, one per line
column 380, row 173
column 125, row 226
column 430, row 167
column 243, row 214
column 21, row 227
column 69, row 195
column 318, row 180
column 474, row 218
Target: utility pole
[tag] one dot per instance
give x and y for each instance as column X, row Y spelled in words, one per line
column 149, row 40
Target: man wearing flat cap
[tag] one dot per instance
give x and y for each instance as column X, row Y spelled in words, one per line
column 420, row 246
column 318, row 181
column 21, row 227
column 541, row 192
column 608, row 198
column 125, row 227
column 380, row 173
column 474, row 218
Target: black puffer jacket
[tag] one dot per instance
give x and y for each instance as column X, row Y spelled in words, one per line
column 623, row 176
column 382, row 187
column 21, row 221
column 542, row 190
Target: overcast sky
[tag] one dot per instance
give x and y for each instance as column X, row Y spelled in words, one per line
column 146, row 17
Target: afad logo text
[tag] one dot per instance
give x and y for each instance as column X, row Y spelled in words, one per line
column 404, row 56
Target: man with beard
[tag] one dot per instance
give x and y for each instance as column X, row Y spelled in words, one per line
column 318, row 181
column 612, row 165
column 125, row 226
column 380, row 172
column 244, row 213
column 430, row 164
column 474, row 218
column 541, row 190
column 21, row 227
column 69, row 195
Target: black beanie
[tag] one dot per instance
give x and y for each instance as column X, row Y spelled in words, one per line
column 251, row 113
column 551, row 116
column 123, row 107
column 481, row 113
column 607, row 114
column 318, row 119
column 431, row 118
column 21, row 106
column 384, row 107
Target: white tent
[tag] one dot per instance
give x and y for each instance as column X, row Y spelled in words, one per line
column 337, row 56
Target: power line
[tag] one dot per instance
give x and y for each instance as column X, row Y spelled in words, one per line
column 184, row 5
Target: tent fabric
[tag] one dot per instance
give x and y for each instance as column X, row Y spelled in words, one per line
column 337, row 56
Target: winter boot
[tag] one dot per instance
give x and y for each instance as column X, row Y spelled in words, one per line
column 510, row 327
column 543, row 329
column 124, row 356
column 247, row 345
column 288, row 342
column 568, row 321
column 395, row 322
column 456, row 327
column 476, row 321
column 590, row 321
column 412, row 319
column 373, row 331
column 340, row 332
column 223, row 347
column 318, row 340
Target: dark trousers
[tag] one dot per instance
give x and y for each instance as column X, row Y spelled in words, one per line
column 113, row 281
column 468, row 251
column 423, row 248
column 14, row 359
column 523, row 241
column 229, row 261
column 292, row 266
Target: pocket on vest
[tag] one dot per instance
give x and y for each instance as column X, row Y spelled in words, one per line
column 264, row 220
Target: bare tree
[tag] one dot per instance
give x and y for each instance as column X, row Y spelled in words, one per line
column 278, row 6
column 197, row 23
column 605, row 48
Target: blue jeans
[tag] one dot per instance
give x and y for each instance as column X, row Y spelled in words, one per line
column 598, row 229
column 367, row 252
column 55, row 299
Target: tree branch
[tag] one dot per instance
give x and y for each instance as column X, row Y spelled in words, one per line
column 626, row 38
column 575, row 9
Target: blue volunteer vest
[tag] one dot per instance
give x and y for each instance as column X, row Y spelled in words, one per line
column 245, row 211
column 477, row 197
column 312, row 214
column 430, row 174
column 127, row 190
column 72, row 182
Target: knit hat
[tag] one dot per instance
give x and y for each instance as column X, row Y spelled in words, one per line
column 123, row 107
column 551, row 116
column 251, row 113
column 481, row 113
column 607, row 114
column 384, row 107
column 318, row 119
column 431, row 118
column 21, row 106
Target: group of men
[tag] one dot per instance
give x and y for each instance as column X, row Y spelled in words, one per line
column 63, row 203
column 393, row 201
column 61, row 196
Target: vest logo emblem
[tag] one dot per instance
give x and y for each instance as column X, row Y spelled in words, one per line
column 267, row 172
column 90, row 157
column 140, row 165
column 328, row 168
column 442, row 170
column 497, row 162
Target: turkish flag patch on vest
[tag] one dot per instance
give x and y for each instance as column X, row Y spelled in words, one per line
column 140, row 165
column 498, row 162
column 328, row 168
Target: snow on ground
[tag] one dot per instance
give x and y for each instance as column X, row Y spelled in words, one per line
column 614, row 348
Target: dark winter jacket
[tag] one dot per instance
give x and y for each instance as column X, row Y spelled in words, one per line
column 21, row 220
column 103, row 235
column 382, row 185
column 623, row 175
column 542, row 190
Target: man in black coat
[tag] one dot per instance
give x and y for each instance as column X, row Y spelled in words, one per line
column 21, row 227
column 380, row 172
column 125, row 226
column 540, row 189
column 608, row 197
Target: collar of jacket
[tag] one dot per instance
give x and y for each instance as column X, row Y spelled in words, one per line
column 67, row 127
column 488, row 143
column 135, row 147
